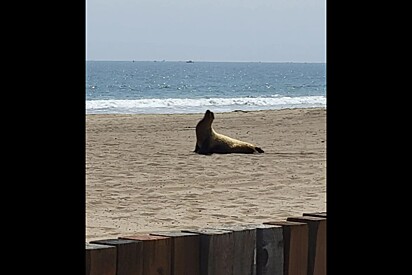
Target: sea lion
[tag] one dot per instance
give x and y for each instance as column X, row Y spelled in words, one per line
column 209, row 142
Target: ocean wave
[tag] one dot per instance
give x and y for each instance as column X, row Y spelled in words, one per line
column 191, row 105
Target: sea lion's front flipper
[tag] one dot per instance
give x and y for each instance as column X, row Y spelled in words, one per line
column 204, row 148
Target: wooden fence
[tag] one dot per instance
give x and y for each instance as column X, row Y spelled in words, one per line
column 296, row 246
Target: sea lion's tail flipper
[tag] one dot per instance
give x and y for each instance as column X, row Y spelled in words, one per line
column 259, row 150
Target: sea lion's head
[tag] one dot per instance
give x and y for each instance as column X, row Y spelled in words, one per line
column 206, row 122
column 209, row 115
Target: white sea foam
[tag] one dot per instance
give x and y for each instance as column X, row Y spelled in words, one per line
column 191, row 105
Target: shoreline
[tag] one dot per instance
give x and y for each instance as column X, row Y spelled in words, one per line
column 142, row 174
column 212, row 109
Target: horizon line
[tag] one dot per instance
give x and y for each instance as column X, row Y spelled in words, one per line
column 194, row 61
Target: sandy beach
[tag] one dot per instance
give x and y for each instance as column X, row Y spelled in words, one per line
column 142, row 174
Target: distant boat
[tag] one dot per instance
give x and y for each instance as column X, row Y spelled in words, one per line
column 190, row 61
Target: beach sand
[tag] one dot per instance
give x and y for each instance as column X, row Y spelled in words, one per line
column 142, row 174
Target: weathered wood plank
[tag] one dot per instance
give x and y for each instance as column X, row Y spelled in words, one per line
column 317, row 243
column 129, row 255
column 185, row 252
column 157, row 253
column 269, row 249
column 244, row 238
column 216, row 251
column 316, row 214
column 100, row 259
column 295, row 236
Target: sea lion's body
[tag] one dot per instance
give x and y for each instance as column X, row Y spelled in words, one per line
column 209, row 142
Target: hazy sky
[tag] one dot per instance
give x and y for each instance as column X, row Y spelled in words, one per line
column 206, row 30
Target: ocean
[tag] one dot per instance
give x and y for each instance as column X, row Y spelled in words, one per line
column 166, row 87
